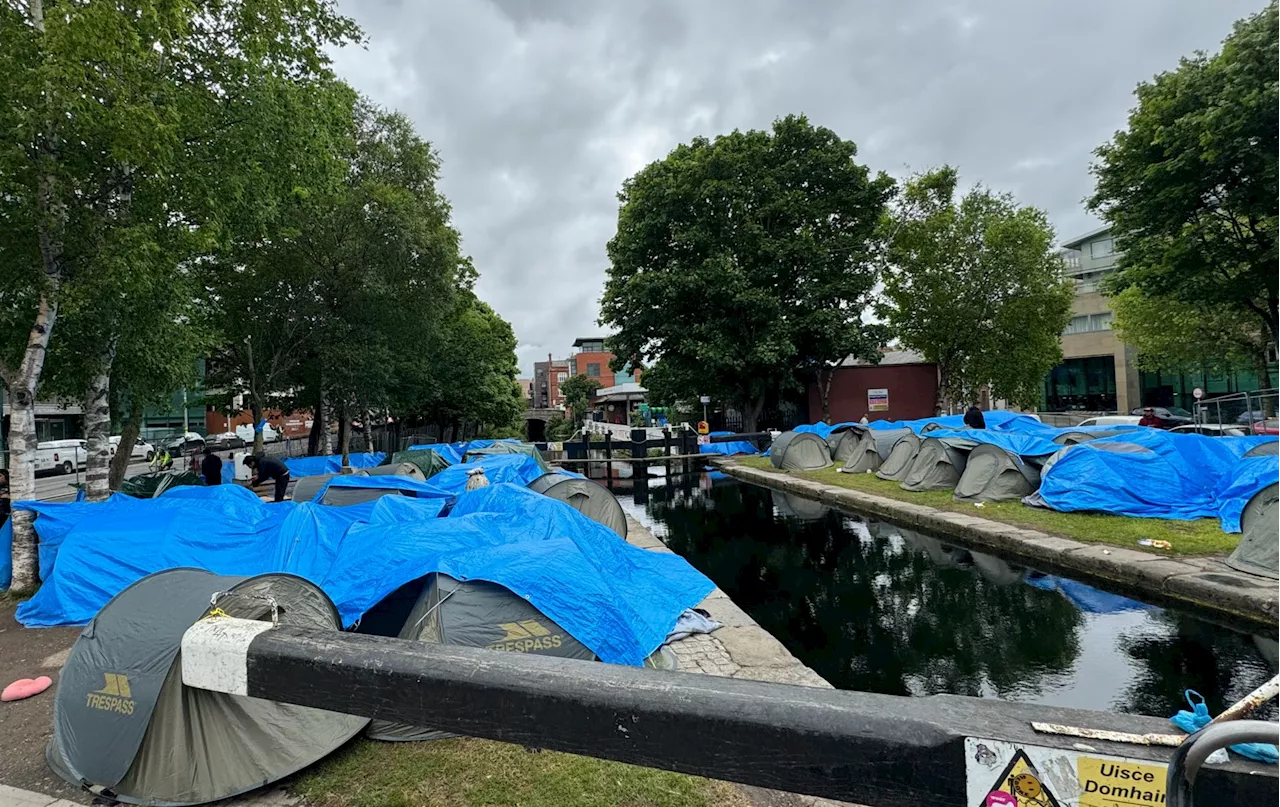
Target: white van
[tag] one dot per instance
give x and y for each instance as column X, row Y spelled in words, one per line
column 60, row 456
column 1110, row 420
column 269, row 435
column 142, row 450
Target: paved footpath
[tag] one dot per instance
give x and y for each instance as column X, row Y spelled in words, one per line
column 740, row 649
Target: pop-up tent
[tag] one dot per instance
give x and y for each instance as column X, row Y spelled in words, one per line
column 344, row 491
column 590, row 498
column 897, row 462
column 993, row 474
column 1259, row 549
column 872, row 449
column 151, row 485
column 843, row 441
column 475, row 613
column 306, row 488
column 126, row 727
column 800, row 451
column 428, row 461
column 1269, row 448
column 790, row 505
column 408, row 470
column 519, row 469
column 937, row 465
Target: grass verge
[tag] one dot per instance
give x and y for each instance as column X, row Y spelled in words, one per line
column 469, row 773
column 1201, row 537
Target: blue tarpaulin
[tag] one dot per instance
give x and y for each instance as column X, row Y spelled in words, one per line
column 618, row 600
column 446, row 451
column 1159, row 475
column 1086, row 598
column 520, row 469
column 318, row 466
column 1024, row 444
column 727, row 448
column 1248, row 476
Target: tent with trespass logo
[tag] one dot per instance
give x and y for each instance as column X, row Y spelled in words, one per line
column 128, row 729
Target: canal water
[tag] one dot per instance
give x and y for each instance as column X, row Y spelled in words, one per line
column 879, row 608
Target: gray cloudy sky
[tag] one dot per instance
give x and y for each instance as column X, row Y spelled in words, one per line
column 541, row 108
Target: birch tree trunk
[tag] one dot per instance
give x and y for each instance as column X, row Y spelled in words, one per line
column 344, row 435
column 97, row 431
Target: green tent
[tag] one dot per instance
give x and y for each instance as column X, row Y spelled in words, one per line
column 428, row 461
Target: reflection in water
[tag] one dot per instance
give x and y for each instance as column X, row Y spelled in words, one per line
column 875, row 607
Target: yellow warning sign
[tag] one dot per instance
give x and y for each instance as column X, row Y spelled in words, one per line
column 1020, row 785
column 1119, row 783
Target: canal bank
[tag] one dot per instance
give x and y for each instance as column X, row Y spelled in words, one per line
column 1205, row 584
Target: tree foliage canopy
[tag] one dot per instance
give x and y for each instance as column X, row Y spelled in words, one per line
column 577, row 391
column 974, row 284
column 1189, row 189
column 741, row 262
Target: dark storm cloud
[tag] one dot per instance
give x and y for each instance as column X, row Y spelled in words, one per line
column 540, row 109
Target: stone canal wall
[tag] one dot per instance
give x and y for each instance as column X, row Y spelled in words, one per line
column 1206, row 584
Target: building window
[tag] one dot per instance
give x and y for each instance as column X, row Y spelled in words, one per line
column 1090, row 282
column 593, row 370
column 591, row 347
column 1087, row 384
column 1102, row 248
column 560, row 377
column 1089, row 323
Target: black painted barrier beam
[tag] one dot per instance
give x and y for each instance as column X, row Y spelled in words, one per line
column 872, row 749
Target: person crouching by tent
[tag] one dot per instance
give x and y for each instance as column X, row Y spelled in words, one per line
column 973, row 417
column 211, row 467
column 265, row 468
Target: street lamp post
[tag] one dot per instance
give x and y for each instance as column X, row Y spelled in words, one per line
column 705, row 399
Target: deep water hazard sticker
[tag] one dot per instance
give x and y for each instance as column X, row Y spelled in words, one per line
column 1001, row 774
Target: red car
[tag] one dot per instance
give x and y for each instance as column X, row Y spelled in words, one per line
column 1268, row 426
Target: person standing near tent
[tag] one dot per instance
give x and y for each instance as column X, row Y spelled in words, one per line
column 211, row 467
column 973, row 417
column 265, row 468
column 1149, row 419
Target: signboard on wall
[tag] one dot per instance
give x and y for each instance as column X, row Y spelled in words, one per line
column 877, row 400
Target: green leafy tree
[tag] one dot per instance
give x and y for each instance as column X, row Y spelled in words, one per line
column 578, row 391
column 1190, row 186
column 976, row 287
column 1173, row 335
column 744, row 261
column 103, row 104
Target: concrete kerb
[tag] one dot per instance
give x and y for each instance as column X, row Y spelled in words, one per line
column 1202, row 583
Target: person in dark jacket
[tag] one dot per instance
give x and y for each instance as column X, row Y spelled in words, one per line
column 269, row 468
column 973, row 417
column 211, row 468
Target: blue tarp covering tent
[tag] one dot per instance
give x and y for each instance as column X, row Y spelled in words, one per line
column 618, row 600
column 318, row 466
column 727, row 448
column 445, row 450
column 1247, row 477
column 517, row 468
column 1147, row 473
column 1024, row 444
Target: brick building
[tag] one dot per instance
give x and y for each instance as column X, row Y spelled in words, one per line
column 592, row 360
column 547, row 376
column 903, row 383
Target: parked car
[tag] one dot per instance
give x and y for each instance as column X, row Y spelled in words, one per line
column 269, row 434
column 1212, row 430
column 59, row 456
column 1250, row 417
column 1170, row 416
column 224, row 441
column 189, row 443
column 1110, row 420
column 1268, row 426
column 142, row 450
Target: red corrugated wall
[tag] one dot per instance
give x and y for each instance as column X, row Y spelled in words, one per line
column 913, row 389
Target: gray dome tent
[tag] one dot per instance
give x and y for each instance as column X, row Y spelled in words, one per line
column 1259, row 549
column 1034, row 499
column 992, row 474
column 1072, row 438
column 476, row 613
column 937, row 465
column 800, row 451
column 1264, row 449
column 346, row 495
column 408, row 469
column 126, row 727
column 528, row 449
column 590, row 498
column 306, row 488
column 842, row 442
column 872, row 448
column 898, row 461
column 428, row 461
